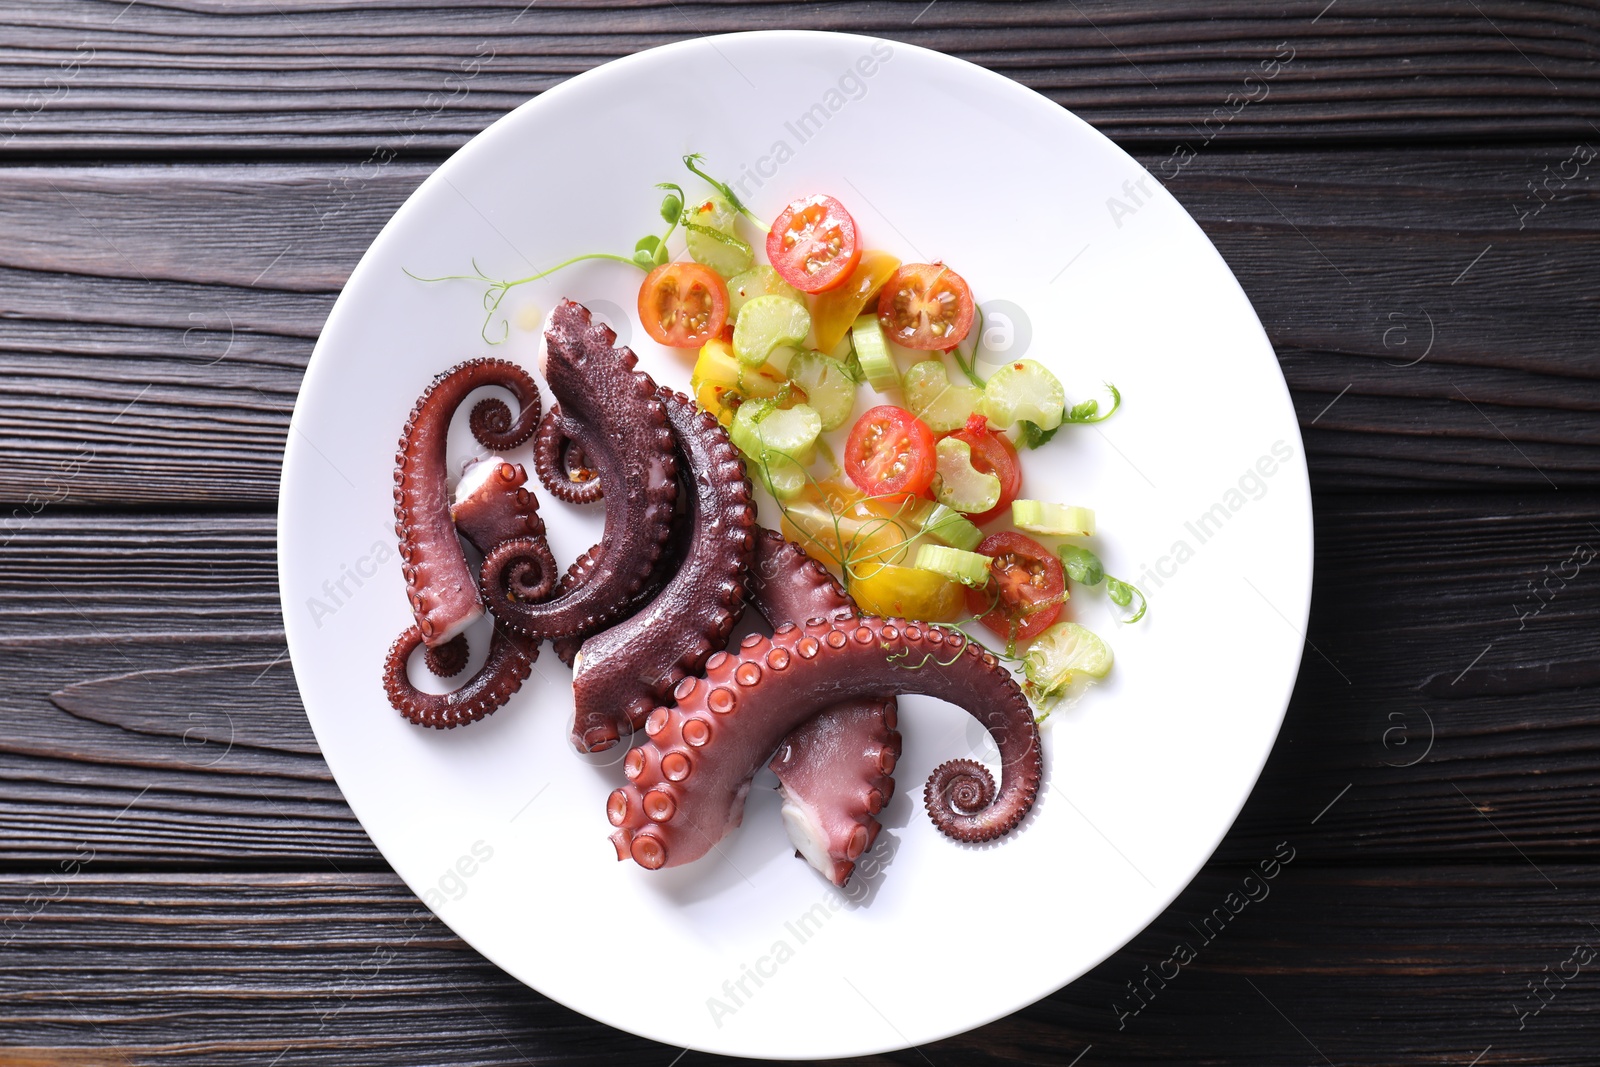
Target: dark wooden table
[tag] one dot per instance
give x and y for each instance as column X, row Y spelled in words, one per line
column 184, row 186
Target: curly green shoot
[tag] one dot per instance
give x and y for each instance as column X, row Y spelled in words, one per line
column 497, row 288
column 693, row 161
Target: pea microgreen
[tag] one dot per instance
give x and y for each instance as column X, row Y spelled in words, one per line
column 968, row 362
column 693, row 161
column 1089, row 410
column 649, row 252
column 497, row 288
column 1084, row 567
column 1081, row 565
column 1032, row 436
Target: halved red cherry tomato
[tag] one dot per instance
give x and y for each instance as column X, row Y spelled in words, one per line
column 683, row 305
column 1025, row 588
column 890, row 450
column 813, row 244
column 992, row 453
column 925, row 306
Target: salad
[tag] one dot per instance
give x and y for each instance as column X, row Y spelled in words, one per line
column 918, row 510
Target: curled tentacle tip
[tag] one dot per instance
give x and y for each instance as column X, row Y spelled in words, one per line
column 489, row 417
column 449, row 659
column 961, row 786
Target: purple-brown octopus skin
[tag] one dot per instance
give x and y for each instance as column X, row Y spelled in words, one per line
column 621, row 673
column 492, row 504
column 560, row 460
column 835, row 773
column 440, row 586
column 687, row 784
column 625, row 435
column 510, row 661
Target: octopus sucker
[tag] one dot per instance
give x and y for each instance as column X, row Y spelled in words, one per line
column 510, row 661
column 624, row 428
column 835, row 773
column 751, row 705
column 440, row 586
column 628, row 669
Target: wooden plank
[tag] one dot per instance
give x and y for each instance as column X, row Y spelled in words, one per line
column 1431, row 334
column 1449, row 708
column 1363, row 966
column 96, row 77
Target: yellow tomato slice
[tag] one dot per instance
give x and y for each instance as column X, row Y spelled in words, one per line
column 837, row 494
column 720, row 381
column 719, row 401
column 907, row 593
column 834, row 311
column 717, row 365
column 839, row 537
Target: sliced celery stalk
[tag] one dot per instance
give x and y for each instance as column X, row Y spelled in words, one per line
column 960, row 485
column 872, row 351
column 828, row 388
column 1061, row 652
column 968, row 568
column 935, row 400
column 1053, row 520
column 1024, row 391
column 757, row 281
column 946, row 524
column 708, row 231
column 766, row 323
column 777, row 442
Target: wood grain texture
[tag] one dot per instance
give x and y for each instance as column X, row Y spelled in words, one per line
column 207, row 77
column 180, row 879
column 1357, row 965
column 1431, row 335
column 1456, row 703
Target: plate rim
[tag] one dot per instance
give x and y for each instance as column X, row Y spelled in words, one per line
column 286, row 515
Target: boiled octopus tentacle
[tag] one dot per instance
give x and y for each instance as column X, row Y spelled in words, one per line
column 621, row 673
column 561, row 462
column 491, row 423
column 632, row 446
column 787, row 585
column 449, row 659
column 439, row 585
column 566, row 648
column 510, row 660
column 492, row 504
column 835, row 773
column 687, row 784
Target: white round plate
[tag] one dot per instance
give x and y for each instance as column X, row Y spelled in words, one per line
column 1084, row 262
